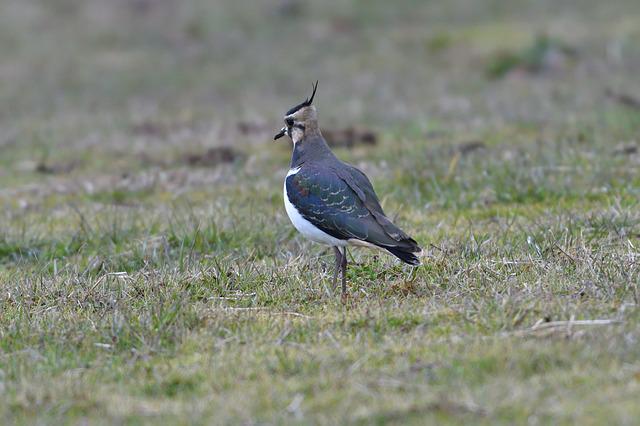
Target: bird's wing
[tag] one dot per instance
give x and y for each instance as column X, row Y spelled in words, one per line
column 360, row 184
column 332, row 204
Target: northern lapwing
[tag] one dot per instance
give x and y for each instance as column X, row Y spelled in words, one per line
column 332, row 202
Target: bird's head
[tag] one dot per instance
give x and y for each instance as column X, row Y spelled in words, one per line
column 301, row 120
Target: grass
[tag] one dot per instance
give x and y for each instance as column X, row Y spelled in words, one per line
column 136, row 288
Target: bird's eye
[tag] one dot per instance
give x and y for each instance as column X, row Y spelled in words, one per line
column 289, row 121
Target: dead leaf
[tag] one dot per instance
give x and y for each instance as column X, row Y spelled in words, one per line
column 468, row 147
column 625, row 149
column 56, row 168
column 350, row 137
column 213, row 157
column 623, row 99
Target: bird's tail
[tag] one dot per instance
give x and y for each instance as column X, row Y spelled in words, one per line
column 406, row 254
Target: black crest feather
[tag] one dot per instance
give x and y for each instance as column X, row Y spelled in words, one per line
column 307, row 102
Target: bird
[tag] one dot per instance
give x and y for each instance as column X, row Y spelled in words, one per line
column 331, row 202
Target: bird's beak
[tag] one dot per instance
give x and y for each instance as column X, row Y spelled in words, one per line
column 281, row 133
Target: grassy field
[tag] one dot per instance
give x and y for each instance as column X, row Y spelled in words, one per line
column 148, row 271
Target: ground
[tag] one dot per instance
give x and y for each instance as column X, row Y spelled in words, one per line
column 148, row 271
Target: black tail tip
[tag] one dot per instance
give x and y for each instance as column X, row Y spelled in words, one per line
column 405, row 256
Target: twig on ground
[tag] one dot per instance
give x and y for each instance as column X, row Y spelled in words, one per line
column 263, row 310
column 555, row 326
column 573, row 259
column 570, row 323
column 110, row 274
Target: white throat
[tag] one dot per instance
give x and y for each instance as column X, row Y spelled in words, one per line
column 296, row 135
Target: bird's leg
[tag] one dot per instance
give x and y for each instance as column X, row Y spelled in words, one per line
column 338, row 254
column 344, row 272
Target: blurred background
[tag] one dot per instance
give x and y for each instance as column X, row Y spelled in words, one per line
column 124, row 77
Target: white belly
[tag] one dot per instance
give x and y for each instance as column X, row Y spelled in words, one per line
column 305, row 227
